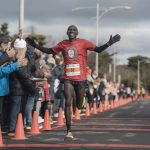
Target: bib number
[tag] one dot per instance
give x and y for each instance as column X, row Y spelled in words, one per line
column 73, row 70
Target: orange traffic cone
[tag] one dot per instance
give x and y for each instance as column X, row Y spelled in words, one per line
column 121, row 101
column 94, row 108
column 34, row 125
column 46, row 123
column 87, row 113
column 60, row 121
column 100, row 107
column 105, row 105
column 19, row 131
column 77, row 114
column 1, row 140
column 111, row 104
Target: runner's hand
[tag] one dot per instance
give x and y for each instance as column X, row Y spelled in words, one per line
column 114, row 39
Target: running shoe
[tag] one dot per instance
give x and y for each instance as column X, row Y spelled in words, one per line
column 69, row 136
column 11, row 133
column 28, row 126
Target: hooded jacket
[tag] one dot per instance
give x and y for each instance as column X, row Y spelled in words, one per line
column 4, row 76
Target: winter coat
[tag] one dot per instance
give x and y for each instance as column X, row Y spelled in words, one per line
column 4, row 76
column 4, row 58
column 20, row 83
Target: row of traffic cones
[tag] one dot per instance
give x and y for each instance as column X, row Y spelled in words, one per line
column 106, row 106
column 19, row 132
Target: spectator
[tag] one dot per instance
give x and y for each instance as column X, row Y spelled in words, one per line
column 20, row 86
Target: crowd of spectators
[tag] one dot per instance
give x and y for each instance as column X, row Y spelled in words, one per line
column 31, row 80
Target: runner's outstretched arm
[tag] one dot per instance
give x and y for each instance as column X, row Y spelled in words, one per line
column 111, row 41
column 41, row 48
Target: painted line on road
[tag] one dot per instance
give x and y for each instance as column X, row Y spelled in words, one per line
column 76, row 146
column 109, row 118
column 105, row 129
column 105, row 124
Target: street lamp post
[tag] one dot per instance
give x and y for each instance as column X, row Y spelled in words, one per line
column 98, row 17
column 114, row 64
column 97, row 36
column 21, row 16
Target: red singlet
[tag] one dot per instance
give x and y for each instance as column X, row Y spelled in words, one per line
column 75, row 57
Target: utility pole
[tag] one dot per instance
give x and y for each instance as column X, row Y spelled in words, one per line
column 21, row 17
column 97, row 36
column 114, row 66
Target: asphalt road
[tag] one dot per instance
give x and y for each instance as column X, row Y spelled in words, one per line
column 124, row 128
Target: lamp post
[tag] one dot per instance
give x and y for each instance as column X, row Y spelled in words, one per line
column 21, row 17
column 98, row 17
column 114, row 64
column 97, row 36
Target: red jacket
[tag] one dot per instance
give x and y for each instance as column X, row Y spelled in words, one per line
column 46, row 91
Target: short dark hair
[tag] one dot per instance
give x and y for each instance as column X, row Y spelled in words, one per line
column 72, row 26
column 4, row 38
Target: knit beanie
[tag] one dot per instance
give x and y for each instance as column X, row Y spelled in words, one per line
column 20, row 43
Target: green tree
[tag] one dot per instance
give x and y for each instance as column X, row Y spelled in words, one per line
column 144, row 69
column 104, row 61
column 41, row 39
column 91, row 58
column 128, row 75
column 132, row 61
column 4, row 28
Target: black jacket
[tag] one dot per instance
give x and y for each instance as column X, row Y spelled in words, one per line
column 4, row 58
column 20, row 84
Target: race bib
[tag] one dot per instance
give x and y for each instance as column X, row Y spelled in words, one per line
column 73, row 70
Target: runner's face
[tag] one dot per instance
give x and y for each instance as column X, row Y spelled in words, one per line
column 72, row 32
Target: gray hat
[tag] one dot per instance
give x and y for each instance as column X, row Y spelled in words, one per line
column 4, row 38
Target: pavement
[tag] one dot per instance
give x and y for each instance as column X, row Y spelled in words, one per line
column 123, row 128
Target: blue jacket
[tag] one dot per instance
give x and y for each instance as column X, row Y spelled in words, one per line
column 4, row 76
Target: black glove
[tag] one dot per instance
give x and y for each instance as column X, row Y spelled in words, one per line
column 31, row 42
column 114, row 39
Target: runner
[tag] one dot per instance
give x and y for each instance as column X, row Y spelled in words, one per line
column 74, row 51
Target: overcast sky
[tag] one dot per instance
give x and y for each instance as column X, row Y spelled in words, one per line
column 52, row 17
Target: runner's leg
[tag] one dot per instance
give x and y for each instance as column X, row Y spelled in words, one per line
column 80, row 93
column 69, row 91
